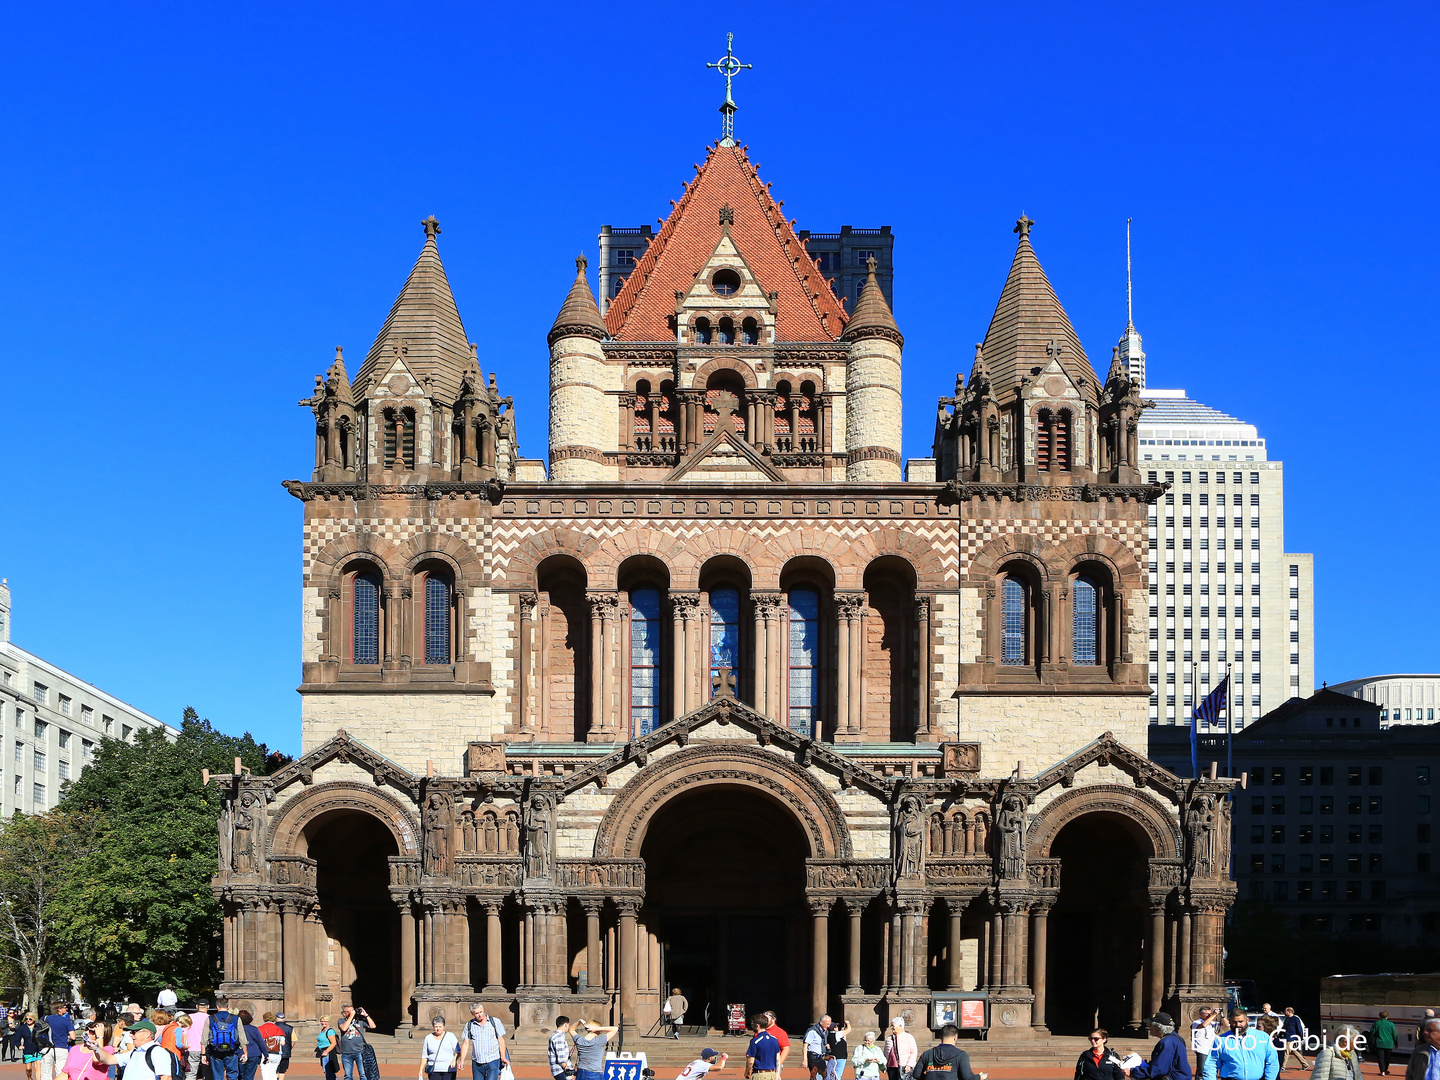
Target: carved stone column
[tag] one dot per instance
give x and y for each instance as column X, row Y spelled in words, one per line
column 594, row 973
column 292, row 964
column 408, row 973
column 855, row 908
column 1155, row 955
column 922, row 625
column 769, row 680
column 849, row 609
column 629, row 968
column 527, row 603
column 687, row 679
column 493, row 954
column 819, row 956
column 1039, row 920
column 955, row 946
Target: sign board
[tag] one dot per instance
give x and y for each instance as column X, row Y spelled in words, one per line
column 972, row 1014
column 735, row 1018
column 968, row 1011
column 624, row 1066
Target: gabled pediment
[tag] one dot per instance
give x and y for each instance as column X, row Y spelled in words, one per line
column 727, row 457
column 745, row 724
column 345, row 748
column 1110, row 751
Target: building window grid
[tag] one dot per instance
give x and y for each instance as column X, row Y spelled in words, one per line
column 437, row 620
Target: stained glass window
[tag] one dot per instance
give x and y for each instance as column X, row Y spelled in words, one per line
column 1084, row 646
column 365, row 636
column 644, row 660
column 437, row 620
column 1012, row 618
column 725, row 635
column 804, row 651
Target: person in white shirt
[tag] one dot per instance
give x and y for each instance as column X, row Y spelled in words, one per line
column 167, row 999
column 1202, row 1037
column 440, row 1054
column 708, row 1061
column 148, row 1060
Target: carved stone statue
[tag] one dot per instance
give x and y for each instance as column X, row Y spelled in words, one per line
column 908, row 849
column 227, row 836
column 1200, row 837
column 1010, row 823
column 540, row 836
column 438, row 818
column 248, row 809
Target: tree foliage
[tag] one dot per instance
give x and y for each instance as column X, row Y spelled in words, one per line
column 138, row 913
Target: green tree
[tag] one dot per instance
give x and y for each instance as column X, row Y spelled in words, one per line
column 138, row 913
column 39, row 856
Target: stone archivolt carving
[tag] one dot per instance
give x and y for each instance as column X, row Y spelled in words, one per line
column 850, row 875
column 736, row 764
column 288, row 825
column 1138, row 807
column 604, row 875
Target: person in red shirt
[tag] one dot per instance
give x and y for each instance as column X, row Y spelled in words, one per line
column 783, row 1039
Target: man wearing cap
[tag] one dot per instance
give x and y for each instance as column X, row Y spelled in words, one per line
column 289, row 1032
column 1169, row 1060
column 1242, row 1054
column 194, row 1039
column 62, row 1034
column 148, row 1060
column 708, row 1061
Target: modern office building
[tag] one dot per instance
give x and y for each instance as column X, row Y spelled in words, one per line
column 1225, row 595
column 1403, row 699
column 51, row 721
column 1334, row 827
column 839, row 256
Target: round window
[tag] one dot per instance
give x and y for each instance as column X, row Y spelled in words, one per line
column 725, row 282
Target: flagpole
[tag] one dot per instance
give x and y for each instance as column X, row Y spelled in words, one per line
column 1229, row 726
column 1194, row 726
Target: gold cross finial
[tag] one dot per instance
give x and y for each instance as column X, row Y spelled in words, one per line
column 728, row 66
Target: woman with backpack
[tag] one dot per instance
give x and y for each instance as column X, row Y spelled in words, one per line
column 30, row 1051
column 274, row 1046
column 326, row 1040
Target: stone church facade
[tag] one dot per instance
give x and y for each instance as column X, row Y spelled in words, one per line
column 723, row 696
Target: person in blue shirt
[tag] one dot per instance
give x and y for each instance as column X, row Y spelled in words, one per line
column 1242, row 1054
column 1170, row 1059
column 763, row 1054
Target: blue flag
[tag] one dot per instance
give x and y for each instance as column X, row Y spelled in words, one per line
column 1209, row 710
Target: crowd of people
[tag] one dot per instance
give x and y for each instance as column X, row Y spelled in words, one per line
column 162, row 1043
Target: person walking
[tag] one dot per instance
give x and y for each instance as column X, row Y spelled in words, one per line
column 1384, row 1034
column 62, row 1034
column 440, row 1053
column 225, row 1041
column 1099, row 1062
column 675, row 1008
column 166, row 999
column 1202, row 1037
column 837, row 1051
column 781, row 1037
column 1169, row 1059
column 327, row 1042
column 558, row 1050
column 483, row 1045
column 289, row 1046
column 709, row 1061
column 901, row 1052
column 196, row 1037
column 30, row 1052
column 1339, row 1060
column 274, row 1046
column 1242, row 1054
column 762, row 1056
column 869, row 1059
column 1294, row 1032
column 945, row 1060
column 252, row 1053
column 1424, row 1061
column 351, row 1029
column 590, row 1043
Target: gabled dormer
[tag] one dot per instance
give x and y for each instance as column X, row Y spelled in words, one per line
column 727, row 304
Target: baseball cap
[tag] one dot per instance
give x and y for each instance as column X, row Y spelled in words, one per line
column 142, row 1025
column 708, row 1053
column 1163, row 1019
column 279, row 1016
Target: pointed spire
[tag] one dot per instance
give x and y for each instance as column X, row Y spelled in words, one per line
column 1131, row 349
column 579, row 315
column 424, row 326
column 872, row 316
column 979, row 373
column 337, row 382
column 1030, row 327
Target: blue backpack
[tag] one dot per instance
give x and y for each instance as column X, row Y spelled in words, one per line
column 224, row 1035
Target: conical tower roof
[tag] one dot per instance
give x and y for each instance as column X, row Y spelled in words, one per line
column 423, row 320
column 579, row 315
column 807, row 308
column 1029, row 325
column 872, row 317
column 336, row 378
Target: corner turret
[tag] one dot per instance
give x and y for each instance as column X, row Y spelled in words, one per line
column 582, row 424
column 872, row 387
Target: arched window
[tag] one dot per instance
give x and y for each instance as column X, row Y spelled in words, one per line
column 616, row 284
column 1013, row 622
column 399, row 440
column 725, row 636
column 702, row 331
column 1042, row 440
column 1085, row 622
column 644, row 436
column 437, row 619
column 365, row 620
column 749, row 332
column 726, row 336
column 644, row 661
column 804, row 656
column 1060, row 440
column 725, row 394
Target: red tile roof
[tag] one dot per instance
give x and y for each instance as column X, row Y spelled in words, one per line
column 808, row 308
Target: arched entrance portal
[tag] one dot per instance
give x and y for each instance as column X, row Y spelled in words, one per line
column 1093, row 958
column 362, row 925
column 725, row 902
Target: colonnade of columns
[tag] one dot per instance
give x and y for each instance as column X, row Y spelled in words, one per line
column 758, row 418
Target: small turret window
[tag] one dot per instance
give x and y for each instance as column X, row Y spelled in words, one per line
column 726, row 335
column 702, row 331
column 399, row 438
column 749, row 332
column 725, row 282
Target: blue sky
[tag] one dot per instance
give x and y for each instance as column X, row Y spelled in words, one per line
column 201, row 201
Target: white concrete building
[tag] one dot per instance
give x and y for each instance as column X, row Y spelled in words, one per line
column 1404, row 699
column 1224, row 592
column 51, row 722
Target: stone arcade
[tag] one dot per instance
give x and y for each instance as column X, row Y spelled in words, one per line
column 727, row 699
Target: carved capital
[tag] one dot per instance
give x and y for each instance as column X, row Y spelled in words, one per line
column 603, row 604
column 686, row 605
column 528, row 602
column 768, row 606
column 849, row 605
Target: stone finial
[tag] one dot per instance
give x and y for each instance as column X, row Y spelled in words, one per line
column 581, row 263
column 1022, row 226
column 432, row 227
column 727, row 215
column 870, row 265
